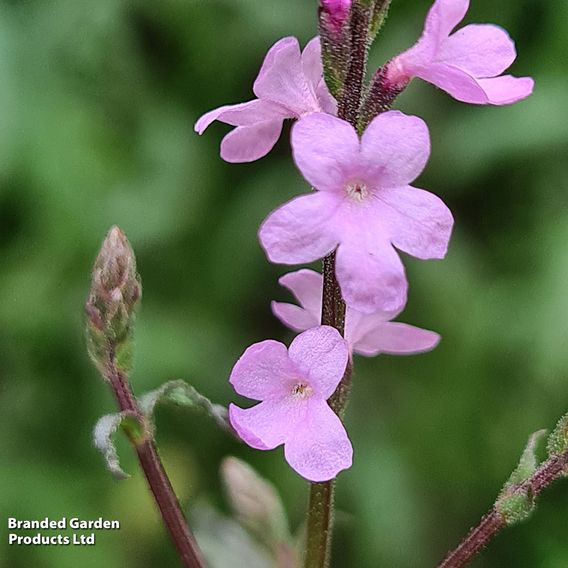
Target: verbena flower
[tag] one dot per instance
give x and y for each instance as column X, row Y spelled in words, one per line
column 294, row 385
column 366, row 334
column 289, row 85
column 363, row 206
column 465, row 64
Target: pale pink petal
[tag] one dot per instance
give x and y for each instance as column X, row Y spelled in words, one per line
column 306, row 285
column 249, row 143
column 417, row 221
column 319, row 447
column 311, row 62
column 370, row 274
column 260, row 371
column 395, row 148
column 281, row 78
column 506, row 89
column 321, row 355
column 301, row 230
column 269, row 423
column 443, row 17
column 481, row 50
column 296, row 318
column 358, row 324
column 325, row 99
column 324, row 148
column 243, row 114
column 454, row 81
column 396, row 339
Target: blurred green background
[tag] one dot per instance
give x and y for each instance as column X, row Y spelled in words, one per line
column 97, row 105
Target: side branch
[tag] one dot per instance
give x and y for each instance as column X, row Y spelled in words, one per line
column 156, row 476
column 492, row 523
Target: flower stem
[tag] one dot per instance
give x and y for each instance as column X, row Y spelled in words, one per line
column 156, row 476
column 319, row 521
column 493, row 522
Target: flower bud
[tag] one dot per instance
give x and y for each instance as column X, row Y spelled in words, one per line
column 115, row 292
column 255, row 502
column 335, row 13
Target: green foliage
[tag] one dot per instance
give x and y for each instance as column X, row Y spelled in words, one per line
column 98, row 101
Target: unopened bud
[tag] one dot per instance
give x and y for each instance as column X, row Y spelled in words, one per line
column 255, row 502
column 115, row 292
column 335, row 13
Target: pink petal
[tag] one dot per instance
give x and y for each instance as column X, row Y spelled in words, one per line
column 300, row 230
column 481, row 50
column 454, row 81
column 358, row 324
column 319, row 448
column 443, row 17
column 311, row 62
column 371, row 280
column 306, row 285
column 506, row 89
column 396, row 339
column 296, row 318
column 243, row 114
column 418, row 222
column 269, row 423
column 321, row 355
column 281, row 78
column 249, row 143
column 396, row 148
column 262, row 369
column 324, row 148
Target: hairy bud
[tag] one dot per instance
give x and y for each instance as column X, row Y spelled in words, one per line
column 114, row 295
column 335, row 13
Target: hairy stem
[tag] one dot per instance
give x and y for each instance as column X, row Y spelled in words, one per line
column 493, row 522
column 156, row 476
column 320, row 507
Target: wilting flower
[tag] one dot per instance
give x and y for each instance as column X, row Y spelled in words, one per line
column 363, row 206
column 467, row 64
column 294, row 385
column 366, row 334
column 289, row 85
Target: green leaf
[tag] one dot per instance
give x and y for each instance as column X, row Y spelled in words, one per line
column 103, row 433
column 516, row 503
column 182, row 394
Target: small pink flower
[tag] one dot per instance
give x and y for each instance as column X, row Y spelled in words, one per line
column 289, row 85
column 337, row 12
column 365, row 334
column 465, row 64
column 294, row 385
column 363, row 206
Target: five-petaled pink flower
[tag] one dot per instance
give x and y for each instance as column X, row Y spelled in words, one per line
column 294, row 385
column 366, row 334
column 289, row 85
column 363, row 206
column 465, row 64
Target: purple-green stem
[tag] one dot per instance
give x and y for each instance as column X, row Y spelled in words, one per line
column 319, row 521
column 493, row 522
column 156, row 476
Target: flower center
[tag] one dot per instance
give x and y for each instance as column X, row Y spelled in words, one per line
column 357, row 191
column 301, row 390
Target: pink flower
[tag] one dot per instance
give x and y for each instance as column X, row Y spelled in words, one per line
column 289, row 85
column 337, row 12
column 364, row 206
column 365, row 334
column 293, row 385
column 465, row 64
